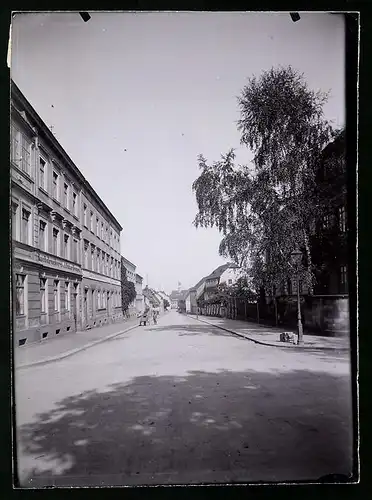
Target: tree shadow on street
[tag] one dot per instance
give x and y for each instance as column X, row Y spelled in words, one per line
column 192, row 330
column 204, row 427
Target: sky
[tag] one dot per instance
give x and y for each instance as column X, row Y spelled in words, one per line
column 134, row 98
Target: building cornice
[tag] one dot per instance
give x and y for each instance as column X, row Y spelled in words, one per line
column 44, row 131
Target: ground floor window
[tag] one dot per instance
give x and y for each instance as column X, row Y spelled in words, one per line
column 343, row 279
column 20, row 294
column 67, row 296
column 56, row 295
column 43, row 295
column 26, row 223
column 75, row 250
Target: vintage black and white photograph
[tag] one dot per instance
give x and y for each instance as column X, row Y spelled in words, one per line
column 180, row 237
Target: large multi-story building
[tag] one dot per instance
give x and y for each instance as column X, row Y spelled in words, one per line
column 66, row 243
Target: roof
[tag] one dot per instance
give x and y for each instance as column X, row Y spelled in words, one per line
column 18, row 95
column 128, row 262
column 150, row 294
column 199, row 283
column 217, row 273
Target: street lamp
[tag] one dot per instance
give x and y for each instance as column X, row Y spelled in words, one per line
column 296, row 257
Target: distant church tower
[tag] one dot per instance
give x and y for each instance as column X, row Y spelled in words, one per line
column 179, row 286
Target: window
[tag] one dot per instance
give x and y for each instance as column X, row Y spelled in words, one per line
column 97, row 227
column 42, row 235
column 343, row 279
column 74, row 200
column 42, row 173
column 26, row 155
column 43, row 296
column 102, row 231
column 55, row 186
column 327, row 221
column 289, row 287
column 75, row 250
column 86, row 244
column 92, row 222
column 67, row 296
column 66, row 246
column 20, row 294
column 15, row 224
column 56, row 295
column 342, row 219
column 65, row 195
column 26, row 226
column 93, row 260
column 85, row 215
column 230, row 282
column 55, row 248
column 16, row 145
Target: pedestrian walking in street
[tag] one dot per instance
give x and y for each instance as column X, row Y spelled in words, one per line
column 155, row 313
column 144, row 317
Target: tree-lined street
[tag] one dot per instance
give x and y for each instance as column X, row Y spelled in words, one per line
column 183, row 402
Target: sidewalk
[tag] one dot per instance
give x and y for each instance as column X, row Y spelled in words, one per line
column 58, row 348
column 268, row 335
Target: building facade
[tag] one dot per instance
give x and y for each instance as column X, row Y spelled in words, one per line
column 140, row 300
column 100, row 246
column 52, row 274
column 131, row 277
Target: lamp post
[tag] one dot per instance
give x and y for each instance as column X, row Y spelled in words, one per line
column 296, row 257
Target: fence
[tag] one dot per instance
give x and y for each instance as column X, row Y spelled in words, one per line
column 328, row 314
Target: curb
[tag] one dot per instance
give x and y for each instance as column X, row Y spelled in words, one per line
column 73, row 351
column 261, row 342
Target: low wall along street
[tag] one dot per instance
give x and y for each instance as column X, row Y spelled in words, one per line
column 323, row 314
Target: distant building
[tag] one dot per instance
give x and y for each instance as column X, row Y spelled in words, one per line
column 66, row 266
column 225, row 274
column 140, row 300
column 191, row 296
column 152, row 298
column 131, row 277
column 164, row 297
column 176, row 296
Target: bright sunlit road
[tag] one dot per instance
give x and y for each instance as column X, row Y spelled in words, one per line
column 183, row 402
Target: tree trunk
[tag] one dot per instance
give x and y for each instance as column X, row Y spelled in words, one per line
column 276, row 311
column 309, row 261
column 258, row 313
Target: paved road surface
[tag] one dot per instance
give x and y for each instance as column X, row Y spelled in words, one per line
column 183, row 402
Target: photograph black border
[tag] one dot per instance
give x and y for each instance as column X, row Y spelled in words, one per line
column 364, row 182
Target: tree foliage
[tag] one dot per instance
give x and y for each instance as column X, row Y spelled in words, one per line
column 128, row 290
column 266, row 210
